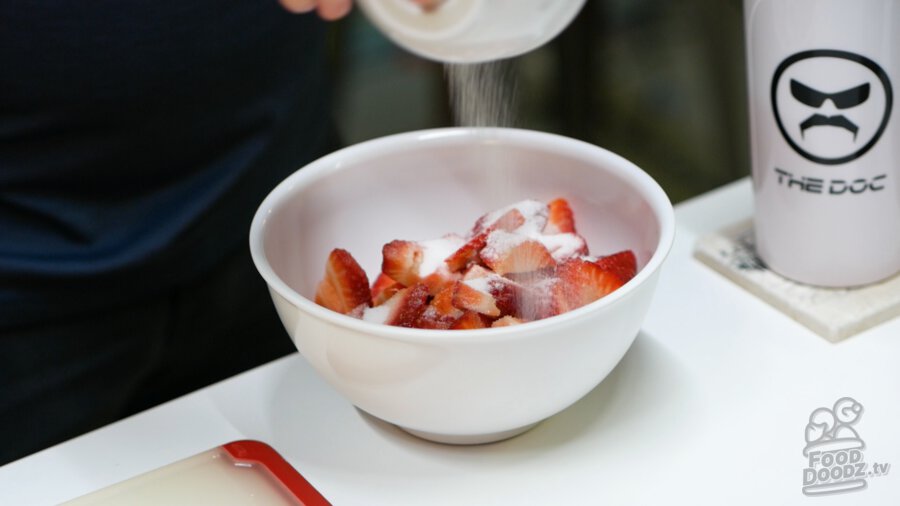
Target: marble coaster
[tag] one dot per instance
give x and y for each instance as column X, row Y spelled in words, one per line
column 833, row 313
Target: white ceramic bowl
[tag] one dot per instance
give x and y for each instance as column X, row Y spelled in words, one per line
column 469, row 386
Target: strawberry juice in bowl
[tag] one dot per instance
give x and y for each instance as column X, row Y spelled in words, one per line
column 458, row 386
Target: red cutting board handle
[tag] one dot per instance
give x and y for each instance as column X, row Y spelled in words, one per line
column 259, row 453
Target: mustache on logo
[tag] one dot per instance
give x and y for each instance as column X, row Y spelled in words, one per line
column 822, row 120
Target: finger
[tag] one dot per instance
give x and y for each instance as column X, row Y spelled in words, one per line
column 428, row 5
column 331, row 10
column 299, row 6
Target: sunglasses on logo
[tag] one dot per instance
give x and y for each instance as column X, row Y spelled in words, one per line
column 842, row 99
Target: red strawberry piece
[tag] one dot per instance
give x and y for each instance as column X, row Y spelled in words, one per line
column 509, row 221
column 503, row 291
column 440, row 313
column 383, row 289
column 407, row 305
column 531, row 302
column 508, row 218
column 443, row 303
column 529, row 299
column 623, row 264
column 476, row 271
column 401, row 261
column 564, row 246
column 345, row 285
column 440, row 279
column 560, row 218
column 467, row 254
column 510, row 253
column 470, row 320
column 507, row 321
column 470, row 298
column 581, row 282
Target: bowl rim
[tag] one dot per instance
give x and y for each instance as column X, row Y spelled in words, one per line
column 655, row 196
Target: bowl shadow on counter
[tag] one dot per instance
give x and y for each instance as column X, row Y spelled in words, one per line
column 312, row 425
column 637, row 393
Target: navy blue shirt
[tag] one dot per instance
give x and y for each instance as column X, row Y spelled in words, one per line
column 137, row 138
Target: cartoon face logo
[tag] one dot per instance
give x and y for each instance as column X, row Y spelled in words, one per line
column 831, row 106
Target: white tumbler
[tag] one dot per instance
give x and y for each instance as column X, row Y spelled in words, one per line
column 825, row 143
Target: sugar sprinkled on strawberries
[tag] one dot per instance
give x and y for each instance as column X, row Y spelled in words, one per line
column 436, row 250
column 520, row 263
column 533, row 212
column 563, row 246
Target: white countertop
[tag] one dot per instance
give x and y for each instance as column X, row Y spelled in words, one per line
column 709, row 406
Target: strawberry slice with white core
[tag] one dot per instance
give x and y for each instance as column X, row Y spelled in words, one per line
column 510, row 297
column 623, row 264
column 467, row 254
column 513, row 253
column 560, row 219
column 401, row 261
column 513, row 216
column 383, row 289
column 440, row 313
column 564, row 246
column 470, row 320
column 472, row 295
column 345, row 285
column 401, row 310
column 581, row 282
column 475, row 272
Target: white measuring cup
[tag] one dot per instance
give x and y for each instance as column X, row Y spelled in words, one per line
column 471, row 31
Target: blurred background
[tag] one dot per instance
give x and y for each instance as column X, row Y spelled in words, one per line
column 660, row 83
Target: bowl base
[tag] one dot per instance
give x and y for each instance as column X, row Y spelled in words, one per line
column 469, row 439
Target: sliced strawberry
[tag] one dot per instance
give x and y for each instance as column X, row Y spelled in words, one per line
column 581, row 282
column 508, row 219
column 560, row 219
column 401, row 261
column 523, row 295
column 467, row 254
column 383, row 289
column 623, row 264
column 564, row 246
column 345, row 285
column 470, row 320
column 534, row 295
column 476, row 271
column 510, row 253
column 407, row 305
column 440, row 279
column 469, row 298
column 507, row 321
column 440, row 313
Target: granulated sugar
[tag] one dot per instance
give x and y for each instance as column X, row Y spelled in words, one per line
column 482, row 94
column 485, row 95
